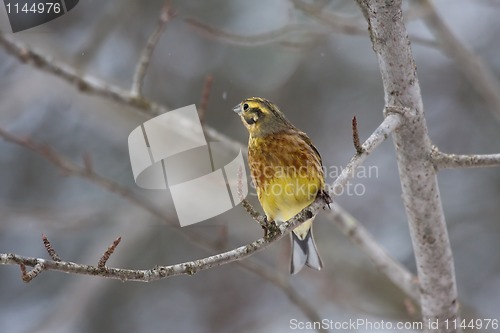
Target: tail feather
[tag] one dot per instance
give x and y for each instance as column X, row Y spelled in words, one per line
column 304, row 252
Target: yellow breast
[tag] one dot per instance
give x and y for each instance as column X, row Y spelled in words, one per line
column 287, row 173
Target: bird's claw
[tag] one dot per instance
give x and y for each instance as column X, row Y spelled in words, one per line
column 327, row 198
column 271, row 229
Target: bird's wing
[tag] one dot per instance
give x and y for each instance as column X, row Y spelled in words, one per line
column 304, row 137
column 323, row 192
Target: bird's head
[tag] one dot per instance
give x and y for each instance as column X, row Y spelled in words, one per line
column 261, row 117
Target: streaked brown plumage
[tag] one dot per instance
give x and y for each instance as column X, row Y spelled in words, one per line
column 287, row 171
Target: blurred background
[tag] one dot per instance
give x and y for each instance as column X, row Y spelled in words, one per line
column 321, row 77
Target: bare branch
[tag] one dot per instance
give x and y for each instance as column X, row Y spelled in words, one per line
column 337, row 22
column 481, row 77
column 253, row 40
column 253, row 213
column 347, row 25
column 94, row 86
column 161, row 272
column 84, row 83
column 396, row 272
column 69, row 168
column 389, row 125
column 105, row 257
column 448, row 161
column 436, row 272
column 28, row 276
column 192, row 267
column 143, row 64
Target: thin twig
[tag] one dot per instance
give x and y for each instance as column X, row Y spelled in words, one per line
column 50, row 249
column 253, row 213
column 143, row 64
column 161, row 272
column 355, row 136
column 67, row 167
column 105, row 257
column 84, row 83
column 390, row 123
column 28, row 276
column 277, row 35
column 449, row 161
column 205, row 97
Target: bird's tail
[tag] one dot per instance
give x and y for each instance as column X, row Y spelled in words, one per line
column 304, row 251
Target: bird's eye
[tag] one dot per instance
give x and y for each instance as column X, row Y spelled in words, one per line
column 245, row 107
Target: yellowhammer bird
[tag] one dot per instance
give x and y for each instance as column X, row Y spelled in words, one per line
column 287, row 171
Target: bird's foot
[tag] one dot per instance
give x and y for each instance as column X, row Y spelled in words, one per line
column 271, row 229
column 326, row 197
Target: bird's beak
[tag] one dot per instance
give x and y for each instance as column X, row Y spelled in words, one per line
column 237, row 109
